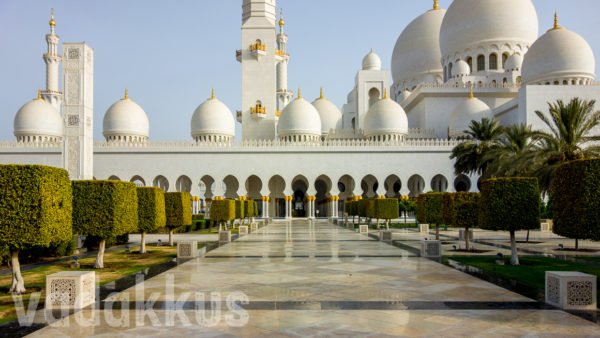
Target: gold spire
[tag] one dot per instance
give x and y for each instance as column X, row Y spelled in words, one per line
column 436, row 4
column 385, row 95
column 39, row 96
column 281, row 21
column 299, row 93
column 556, row 25
column 471, row 95
column 126, row 95
column 321, row 96
column 212, row 94
column 52, row 23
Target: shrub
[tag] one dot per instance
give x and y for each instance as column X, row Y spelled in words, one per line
column 151, row 212
column 178, row 209
column 448, row 208
column 35, row 210
column 387, row 209
column 575, row 201
column 370, row 208
column 466, row 212
column 105, row 209
column 510, row 204
column 362, row 208
column 430, row 209
column 222, row 211
column 239, row 209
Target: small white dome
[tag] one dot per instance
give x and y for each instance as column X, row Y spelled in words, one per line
column 212, row 118
column 404, row 95
column 417, row 51
column 299, row 118
column 558, row 55
column 371, row 61
column 467, row 111
column 386, row 117
column 330, row 114
column 461, row 68
column 38, row 118
column 469, row 24
column 125, row 118
column 514, row 63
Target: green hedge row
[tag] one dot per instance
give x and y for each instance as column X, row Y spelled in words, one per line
column 466, row 209
column 430, row 208
column 222, row 211
column 509, row 204
column 178, row 209
column 151, row 209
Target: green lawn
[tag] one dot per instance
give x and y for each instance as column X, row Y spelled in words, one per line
column 531, row 272
column 118, row 264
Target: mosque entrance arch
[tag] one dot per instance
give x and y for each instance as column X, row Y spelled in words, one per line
column 276, row 189
column 299, row 187
column 323, row 187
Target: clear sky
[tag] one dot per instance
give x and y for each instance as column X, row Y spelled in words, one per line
column 171, row 53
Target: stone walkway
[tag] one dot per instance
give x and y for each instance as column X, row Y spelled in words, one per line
column 299, row 279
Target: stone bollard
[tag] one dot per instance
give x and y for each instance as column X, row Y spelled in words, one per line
column 187, row 249
column 363, row 229
column 431, row 249
column 71, row 290
column 571, row 290
column 545, row 227
column 243, row 230
column 224, row 236
column 462, row 232
column 253, row 226
column 424, row 228
column 385, row 235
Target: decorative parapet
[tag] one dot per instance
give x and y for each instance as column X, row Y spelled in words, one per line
column 36, row 145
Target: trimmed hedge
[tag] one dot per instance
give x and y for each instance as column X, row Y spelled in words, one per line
column 351, row 208
column 387, row 208
column 151, row 209
column 448, row 208
column 466, row 209
column 239, row 209
column 105, row 209
column 575, row 190
column 509, row 204
column 178, row 209
column 430, row 208
column 362, row 208
column 222, row 211
column 35, row 206
column 370, row 208
column 249, row 208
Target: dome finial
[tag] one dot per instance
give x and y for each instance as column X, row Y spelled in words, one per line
column 212, row 94
column 39, row 96
column 321, row 96
column 52, row 23
column 281, row 21
column 436, row 5
column 471, row 95
column 556, row 24
column 126, row 95
column 299, row 93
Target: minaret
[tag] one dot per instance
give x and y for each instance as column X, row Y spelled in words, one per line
column 258, row 58
column 283, row 94
column 52, row 59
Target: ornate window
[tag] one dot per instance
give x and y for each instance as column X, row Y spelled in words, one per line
column 481, row 63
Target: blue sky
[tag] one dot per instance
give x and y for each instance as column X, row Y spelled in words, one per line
column 171, row 53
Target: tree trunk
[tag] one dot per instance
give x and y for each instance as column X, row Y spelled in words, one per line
column 437, row 232
column 514, row 255
column 576, row 244
column 387, row 224
column 143, row 243
column 100, row 257
column 170, row 237
column 527, row 240
column 405, row 217
column 18, row 284
column 467, row 238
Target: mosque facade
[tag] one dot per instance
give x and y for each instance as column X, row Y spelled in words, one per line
column 298, row 158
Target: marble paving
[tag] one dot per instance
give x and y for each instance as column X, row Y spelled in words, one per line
column 301, row 279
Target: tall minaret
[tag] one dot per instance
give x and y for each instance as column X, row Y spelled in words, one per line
column 283, row 94
column 52, row 59
column 258, row 58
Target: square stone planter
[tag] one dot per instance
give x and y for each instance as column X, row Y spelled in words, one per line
column 462, row 233
column 224, row 236
column 187, row 249
column 385, row 236
column 243, row 230
column 571, row 290
column 431, row 249
column 363, row 229
column 546, row 227
column 71, row 290
column 424, row 228
column 253, row 226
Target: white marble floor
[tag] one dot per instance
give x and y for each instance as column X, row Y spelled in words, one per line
column 300, row 279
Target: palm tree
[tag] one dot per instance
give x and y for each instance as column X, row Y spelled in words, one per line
column 573, row 136
column 513, row 152
column 470, row 155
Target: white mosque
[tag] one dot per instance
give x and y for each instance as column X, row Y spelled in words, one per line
column 298, row 158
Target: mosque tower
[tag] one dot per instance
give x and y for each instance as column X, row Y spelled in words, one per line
column 284, row 95
column 258, row 58
column 52, row 59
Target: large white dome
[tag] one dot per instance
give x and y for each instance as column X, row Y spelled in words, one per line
column 299, row 118
column 416, row 57
column 125, row 118
column 471, row 25
column 386, row 118
column 371, row 61
column 472, row 109
column 331, row 116
column 213, row 118
column 559, row 55
column 38, row 118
